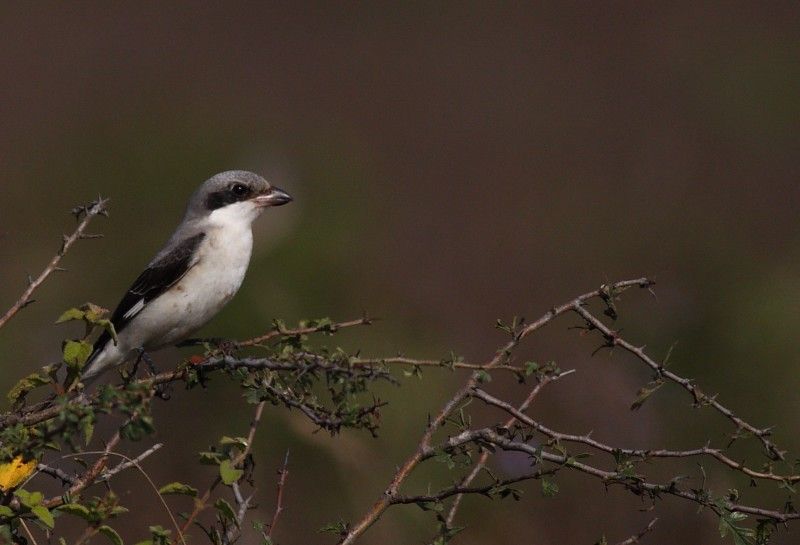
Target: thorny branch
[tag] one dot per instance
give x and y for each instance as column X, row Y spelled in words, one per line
column 261, row 375
column 613, row 339
column 96, row 208
column 638, row 536
column 543, row 381
column 502, row 357
column 517, row 418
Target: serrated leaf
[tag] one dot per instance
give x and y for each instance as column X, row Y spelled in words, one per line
column 31, row 382
column 229, row 473
column 111, row 534
column 44, row 514
column 178, row 488
column 549, row 488
column 645, row 392
column 239, row 441
column 76, row 353
column 109, row 327
column 29, row 499
column 226, row 510
column 77, row 510
column 93, row 313
column 210, row 458
column 71, row 314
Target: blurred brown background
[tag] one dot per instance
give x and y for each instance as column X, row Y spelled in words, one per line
column 452, row 164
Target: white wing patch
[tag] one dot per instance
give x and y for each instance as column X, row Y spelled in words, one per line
column 134, row 310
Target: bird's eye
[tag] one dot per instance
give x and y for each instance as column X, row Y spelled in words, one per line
column 240, row 190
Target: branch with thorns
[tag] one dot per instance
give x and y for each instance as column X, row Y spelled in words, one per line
column 329, row 388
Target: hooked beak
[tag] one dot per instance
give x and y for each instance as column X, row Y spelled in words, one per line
column 273, row 197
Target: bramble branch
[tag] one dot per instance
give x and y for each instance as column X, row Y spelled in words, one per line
column 88, row 212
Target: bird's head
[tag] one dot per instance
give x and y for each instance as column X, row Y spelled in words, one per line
column 235, row 194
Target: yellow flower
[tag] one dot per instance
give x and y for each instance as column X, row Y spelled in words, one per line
column 14, row 472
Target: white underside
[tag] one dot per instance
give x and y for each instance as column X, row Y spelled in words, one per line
column 221, row 263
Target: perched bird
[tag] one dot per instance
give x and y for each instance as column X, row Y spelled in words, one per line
column 196, row 273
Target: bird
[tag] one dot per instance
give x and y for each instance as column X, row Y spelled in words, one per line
column 196, row 273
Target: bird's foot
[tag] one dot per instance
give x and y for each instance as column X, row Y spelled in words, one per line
column 161, row 391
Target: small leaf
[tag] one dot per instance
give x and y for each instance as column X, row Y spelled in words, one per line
column 109, row 327
column 29, row 499
column 549, row 488
column 226, row 510
column 228, row 473
column 71, row 314
column 6, row 511
column 77, row 510
column 111, row 534
column 239, row 441
column 178, row 488
column 44, row 514
column 76, row 353
column 645, row 392
column 210, row 458
column 32, row 381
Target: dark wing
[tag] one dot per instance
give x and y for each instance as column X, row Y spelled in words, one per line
column 159, row 275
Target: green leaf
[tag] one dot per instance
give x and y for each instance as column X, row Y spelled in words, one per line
column 6, row 511
column 549, row 488
column 71, row 314
column 727, row 524
column 87, row 428
column 226, row 510
column 111, row 534
column 210, row 458
column 238, row 441
column 44, row 514
column 77, row 510
column 178, row 488
column 109, row 327
column 76, row 353
column 228, row 473
column 29, row 499
column 32, row 381
column 645, row 392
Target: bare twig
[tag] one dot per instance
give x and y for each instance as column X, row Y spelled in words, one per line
column 284, row 473
column 89, row 476
column 57, row 473
column 634, row 484
column 613, row 339
column 501, row 358
column 279, row 331
column 637, row 537
column 643, row 454
column 201, row 503
column 133, row 462
column 88, row 212
column 478, row 467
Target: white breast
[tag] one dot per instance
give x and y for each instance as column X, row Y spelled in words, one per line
column 222, row 260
